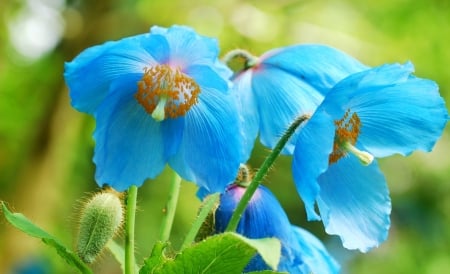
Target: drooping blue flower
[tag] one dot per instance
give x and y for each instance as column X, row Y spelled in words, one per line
column 301, row 252
column 160, row 97
column 284, row 84
column 374, row 113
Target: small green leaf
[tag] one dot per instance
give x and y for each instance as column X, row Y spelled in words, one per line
column 268, row 248
column 22, row 223
column 222, row 253
column 156, row 259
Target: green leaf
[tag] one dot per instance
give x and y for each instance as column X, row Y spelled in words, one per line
column 222, row 253
column 22, row 223
column 156, row 259
column 266, row 272
column 268, row 248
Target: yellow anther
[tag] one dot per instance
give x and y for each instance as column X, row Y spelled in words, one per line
column 166, row 92
column 347, row 131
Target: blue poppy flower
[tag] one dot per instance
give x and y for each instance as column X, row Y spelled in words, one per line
column 284, row 84
column 160, row 97
column 301, row 252
column 374, row 113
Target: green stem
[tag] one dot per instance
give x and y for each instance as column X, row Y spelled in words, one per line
column 129, row 229
column 210, row 202
column 268, row 162
column 171, row 207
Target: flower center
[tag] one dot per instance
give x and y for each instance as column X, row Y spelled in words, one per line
column 166, row 92
column 347, row 131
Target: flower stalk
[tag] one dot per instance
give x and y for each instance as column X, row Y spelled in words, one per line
column 267, row 164
column 206, row 208
column 130, row 217
column 171, row 206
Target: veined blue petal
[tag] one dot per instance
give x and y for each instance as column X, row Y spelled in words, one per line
column 399, row 113
column 206, row 77
column 248, row 113
column 385, row 75
column 210, row 150
column 90, row 74
column 414, row 118
column 187, row 47
column 158, row 47
column 354, row 203
column 172, row 130
column 281, row 98
column 129, row 143
column 314, row 254
column 312, row 150
column 318, row 65
column 223, row 70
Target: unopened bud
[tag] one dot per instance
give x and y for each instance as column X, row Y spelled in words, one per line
column 244, row 176
column 100, row 219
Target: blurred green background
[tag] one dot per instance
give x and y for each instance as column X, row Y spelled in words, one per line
column 46, row 147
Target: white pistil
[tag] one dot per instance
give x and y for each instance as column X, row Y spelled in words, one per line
column 364, row 157
column 159, row 112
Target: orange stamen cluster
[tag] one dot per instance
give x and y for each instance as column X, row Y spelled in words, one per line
column 158, row 81
column 347, row 130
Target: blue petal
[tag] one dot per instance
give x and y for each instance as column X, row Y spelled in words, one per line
column 312, row 150
column 172, row 130
column 314, row 253
column 248, row 114
column 399, row 113
column 354, row 203
column 129, row 143
column 223, row 70
column 210, row 150
column 281, row 98
column 414, row 118
column 292, row 81
column 206, row 77
column 90, row 74
column 318, row 65
column 158, row 47
column 187, row 47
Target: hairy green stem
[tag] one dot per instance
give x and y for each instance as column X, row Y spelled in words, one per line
column 171, row 206
column 202, row 215
column 129, row 229
column 268, row 162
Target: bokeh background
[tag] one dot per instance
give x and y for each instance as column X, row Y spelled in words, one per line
column 46, row 170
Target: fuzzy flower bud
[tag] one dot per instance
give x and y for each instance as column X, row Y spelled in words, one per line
column 100, row 219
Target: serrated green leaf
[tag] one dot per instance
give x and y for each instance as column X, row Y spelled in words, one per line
column 22, row 223
column 222, row 253
column 156, row 260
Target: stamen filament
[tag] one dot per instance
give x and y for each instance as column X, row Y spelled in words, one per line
column 365, row 157
column 159, row 113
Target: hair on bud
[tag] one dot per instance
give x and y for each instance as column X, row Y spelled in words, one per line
column 100, row 220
